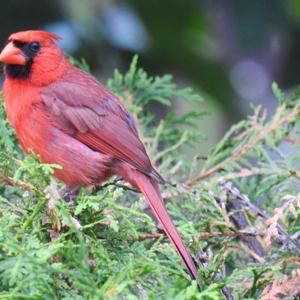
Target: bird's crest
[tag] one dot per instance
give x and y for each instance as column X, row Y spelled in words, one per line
column 34, row 35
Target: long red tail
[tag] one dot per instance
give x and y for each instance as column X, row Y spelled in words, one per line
column 152, row 193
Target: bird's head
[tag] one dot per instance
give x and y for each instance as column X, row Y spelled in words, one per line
column 31, row 54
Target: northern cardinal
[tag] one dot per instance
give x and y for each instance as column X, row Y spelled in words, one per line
column 68, row 118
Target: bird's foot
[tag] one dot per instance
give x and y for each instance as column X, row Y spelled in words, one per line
column 69, row 194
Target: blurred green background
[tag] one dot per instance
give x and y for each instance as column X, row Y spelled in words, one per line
column 229, row 50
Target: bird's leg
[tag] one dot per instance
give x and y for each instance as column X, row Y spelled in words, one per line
column 69, row 194
column 52, row 195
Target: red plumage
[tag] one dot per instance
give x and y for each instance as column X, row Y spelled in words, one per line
column 68, row 118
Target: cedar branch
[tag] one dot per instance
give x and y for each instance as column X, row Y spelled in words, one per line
column 245, row 148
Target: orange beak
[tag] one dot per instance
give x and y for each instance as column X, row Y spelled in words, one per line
column 12, row 55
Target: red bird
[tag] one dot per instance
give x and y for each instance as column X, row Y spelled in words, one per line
column 68, row 118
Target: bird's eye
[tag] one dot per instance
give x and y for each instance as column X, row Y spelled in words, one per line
column 35, row 46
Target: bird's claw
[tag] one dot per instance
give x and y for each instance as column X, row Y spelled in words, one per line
column 69, row 195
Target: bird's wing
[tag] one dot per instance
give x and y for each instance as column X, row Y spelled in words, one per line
column 87, row 110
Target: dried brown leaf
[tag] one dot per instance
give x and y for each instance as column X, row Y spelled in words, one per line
column 285, row 287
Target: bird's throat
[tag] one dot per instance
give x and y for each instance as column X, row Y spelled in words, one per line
column 18, row 71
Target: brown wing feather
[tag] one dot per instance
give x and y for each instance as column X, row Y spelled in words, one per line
column 113, row 137
column 96, row 117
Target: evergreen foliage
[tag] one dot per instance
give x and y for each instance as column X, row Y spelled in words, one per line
column 106, row 246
